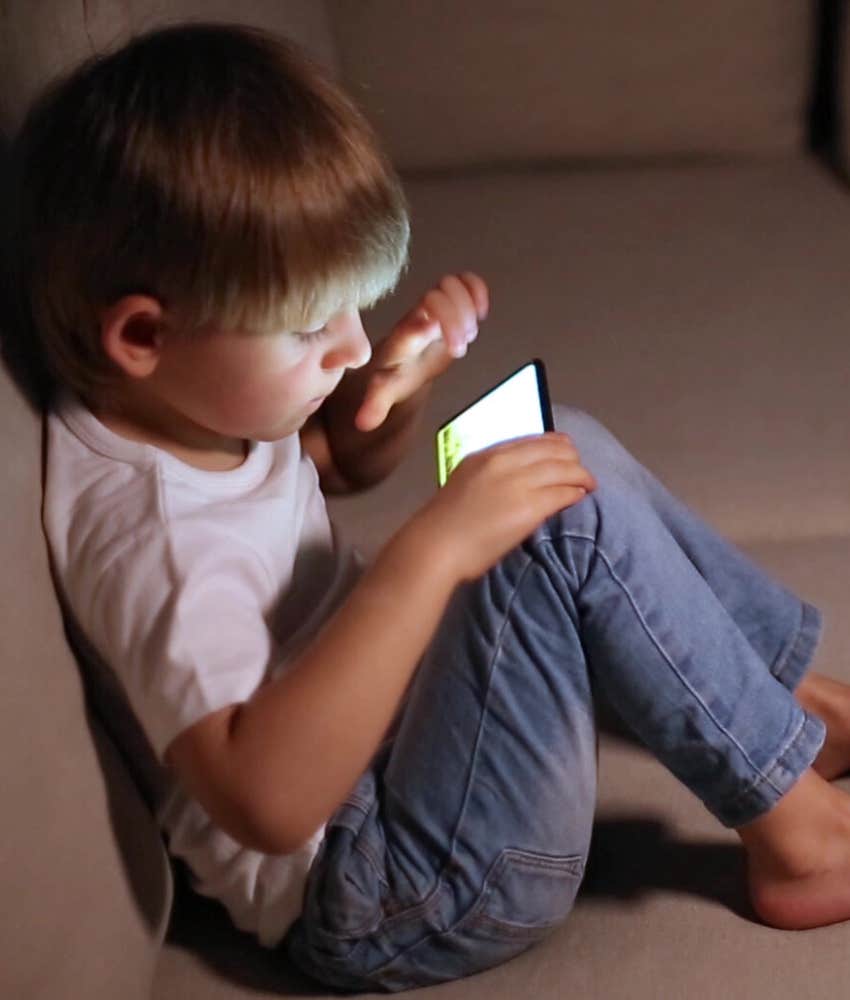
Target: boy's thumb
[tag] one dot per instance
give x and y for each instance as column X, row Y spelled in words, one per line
column 371, row 414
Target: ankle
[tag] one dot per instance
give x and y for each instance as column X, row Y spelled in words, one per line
column 808, row 830
column 816, row 694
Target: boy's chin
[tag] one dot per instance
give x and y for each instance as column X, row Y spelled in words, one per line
column 292, row 426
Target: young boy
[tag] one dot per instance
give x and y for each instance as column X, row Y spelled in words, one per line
column 389, row 769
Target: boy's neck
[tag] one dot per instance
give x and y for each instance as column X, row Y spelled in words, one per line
column 194, row 446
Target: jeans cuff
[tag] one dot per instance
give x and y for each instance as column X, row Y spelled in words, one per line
column 792, row 663
column 793, row 760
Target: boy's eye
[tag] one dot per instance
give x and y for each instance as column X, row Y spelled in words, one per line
column 307, row 335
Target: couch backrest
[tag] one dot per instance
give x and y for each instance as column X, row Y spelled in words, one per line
column 455, row 84
column 452, row 84
column 841, row 84
column 40, row 40
column 481, row 82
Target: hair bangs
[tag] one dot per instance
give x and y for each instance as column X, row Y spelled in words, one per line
column 297, row 224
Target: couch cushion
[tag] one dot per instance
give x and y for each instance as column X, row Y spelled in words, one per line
column 450, row 84
column 40, row 40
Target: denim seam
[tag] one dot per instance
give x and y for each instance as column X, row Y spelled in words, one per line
column 358, row 802
column 497, row 648
column 682, row 679
column 432, row 901
column 573, row 865
column 745, row 793
column 808, row 629
column 430, row 904
column 369, row 857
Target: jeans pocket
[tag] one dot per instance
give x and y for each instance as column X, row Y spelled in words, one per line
column 525, row 895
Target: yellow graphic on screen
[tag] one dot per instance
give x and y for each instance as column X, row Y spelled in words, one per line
column 450, row 451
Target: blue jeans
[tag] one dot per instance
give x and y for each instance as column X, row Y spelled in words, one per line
column 466, row 840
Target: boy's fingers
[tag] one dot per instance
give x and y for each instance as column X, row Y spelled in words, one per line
column 441, row 306
column 386, row 388
column 550, row 443
column 477, row 288
column 372, row 413
column 407, row 342
column 560, row 497
column 455, row 306
column 551, row 457
column 462, row 297
column 567, row 473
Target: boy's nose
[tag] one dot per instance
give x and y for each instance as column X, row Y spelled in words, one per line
column 361, row 349
column 352, row 350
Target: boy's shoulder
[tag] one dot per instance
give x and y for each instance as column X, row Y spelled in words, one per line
column 95, row 480
column 115, row 510
column 107, row 497
column 95, row 490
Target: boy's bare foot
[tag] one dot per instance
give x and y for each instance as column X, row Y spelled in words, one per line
column 798, row 857
column 829, row 700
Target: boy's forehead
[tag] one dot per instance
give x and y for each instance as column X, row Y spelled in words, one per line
column 323, row 315
column 329, row 305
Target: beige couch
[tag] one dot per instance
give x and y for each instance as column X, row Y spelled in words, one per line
column 636, row 181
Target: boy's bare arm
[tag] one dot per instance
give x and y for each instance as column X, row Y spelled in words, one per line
column 272, row 770
column 314, row 442
column 348, row 459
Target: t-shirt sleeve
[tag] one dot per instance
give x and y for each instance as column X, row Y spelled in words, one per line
column 179, row 618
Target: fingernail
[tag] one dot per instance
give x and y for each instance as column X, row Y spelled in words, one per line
column 459, row 350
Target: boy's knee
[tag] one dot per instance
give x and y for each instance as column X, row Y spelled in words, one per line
column 601, row 453
column 582, row 427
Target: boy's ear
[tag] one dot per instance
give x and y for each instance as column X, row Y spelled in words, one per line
column 131, row 334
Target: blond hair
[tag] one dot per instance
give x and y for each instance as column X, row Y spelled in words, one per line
column 213, row 167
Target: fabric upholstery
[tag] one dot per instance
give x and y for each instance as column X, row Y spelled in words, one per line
column 452, row 85
column 82, row 868
column 698, row 311
column 38, row 41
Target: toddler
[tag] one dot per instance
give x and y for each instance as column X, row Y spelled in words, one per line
column 386, row 771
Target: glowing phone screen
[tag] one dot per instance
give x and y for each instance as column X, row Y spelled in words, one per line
column 515, row 407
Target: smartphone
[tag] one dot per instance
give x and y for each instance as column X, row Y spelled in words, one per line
column 517, row 406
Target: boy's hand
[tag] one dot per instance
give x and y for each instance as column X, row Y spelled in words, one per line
column 423, row 344
column 496, row 497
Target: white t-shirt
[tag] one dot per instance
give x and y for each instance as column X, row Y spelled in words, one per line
column 186, row 590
